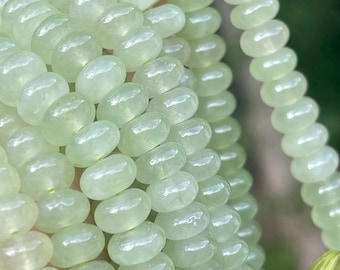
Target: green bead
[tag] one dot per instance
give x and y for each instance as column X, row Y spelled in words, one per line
column 62, row 5
column 3, row 155
column 256, row 256
column 209, row 265
column 176, row 47
column 191, row 5
column 330, row 238
column 159, row 262
column 7, row 45
column 236, row 2
column 141, row 4
column 232, row 159
column 9, row 179
column 250, row 231
column 240, row 183
column 327, row 216
column 94, row 265
column 188, row 80
column 245, row 205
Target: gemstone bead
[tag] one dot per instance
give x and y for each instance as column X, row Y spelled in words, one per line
column 7, row 45
column 61, row 5
column 9, row 179
column 245, row 205
column 191, row 5
column 331, row 239
column 250, row 232
column 159, row 262
column 188, row 80
column 176, row 47
column 327, row 216
column 240, row 183
column 237, row 2
column 94, row 265
column 141, row 4
column 232, row 159
column 256, row 256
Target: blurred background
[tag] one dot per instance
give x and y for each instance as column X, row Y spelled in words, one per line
column 289, row 238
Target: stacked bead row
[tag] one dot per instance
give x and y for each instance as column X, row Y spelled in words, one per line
column 314, row 163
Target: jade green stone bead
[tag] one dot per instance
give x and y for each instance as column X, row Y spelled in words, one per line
column 191, row 252
column 250, row 231
column 188, row 80
column 160, row 163
column 159, row 262
column 141, row 4
column 176, row 47
column 240, row 183
column 273, row 66
column 123, row 103
column 236, row 2
column 327, row 216
column 123, row 211
column 47, row 268
column 209, row 265
column 256, row 256
column 317, row 166
column 245, row 205
column 172, row 193
column 330, row 238
column 191, row 5
column 108, row 177
column 178, row 104
column 143, row 133
column 206, row 51
column 9, row 179
column 76, row 244
column 21, row 64
column 94, row 265
column 3, row 155
column 253, row 13
column 217, row 107
column 31, row 250
column 7, row 47
column 304, row 142
column 137, row 245
column 134, row 48
column 66, row 116
column 38, row 94
column 61, row 5
column 264, row 39
column 203, row 164
column 184, row 223
column 232, row 159
column 296, row 116
column 160, row 75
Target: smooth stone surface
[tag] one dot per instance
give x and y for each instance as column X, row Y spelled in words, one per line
column 331, row 239
column 250, row 231
column 327, row 216
column 256, row 256
column 9, row 179
column 159, row 262
column 189, row 79
column 7, row 45
column 232, row 159
column 141, row 4
column 94, row 265
column 245, row 205
column 191, row 5
column 240, row 183
column 176, row 47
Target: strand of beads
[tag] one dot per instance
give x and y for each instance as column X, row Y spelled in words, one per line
column 314, row 163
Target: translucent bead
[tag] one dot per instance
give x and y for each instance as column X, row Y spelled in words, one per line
column 236, row 2
column 188, row 80
column 27, row 251
column 62, row 5
column 9, row 179
column 72, row 53
column 213, row 79
column 143, row 133
column 264, row 39
column 7, row 45
column 240, row 183
column 206, row 51
column 330, row 238
column 123, row 211
column 66, row 116
column 172, row 193
column 184, row 223
column 193, row 134
column 108, row 177
column 176, row 47
column 296, row 116
column 49, row 33
column 177, row 105
column 215, row 108
column 159, row 262
column 256, row 256
column 18, row 214
column 191, row 252
column 46, row 173
column 160, row 75
column 94, row 265
column 191, row 5
column 3, row 155
column 317, row 166
column 245, row 205
column 138, row 245
column 134, row 48
column 166, row 19
column 250, row 231
column 232, row 159
column 22, row 64
column 255, row 13
column 304, row 142
column 76, row 244
column 202, row 164
column 47, row 268
column 327, row 216
column 141, row 4
column 273, row 66
column 38, row 94
column 209, row 265
column 115, row 22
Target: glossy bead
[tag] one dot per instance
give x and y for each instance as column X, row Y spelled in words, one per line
column 330, row 238
column 191, row 5
column 3, row 155
column 188, row 80
column 176, row 47
column 159, row 262
column 209, row 265
column 61, row 5
column 232, row 159
column 94, row 265
column 7, row 45
column 245, row 205
column 250, row 231
column 264, row 39
column 236, row 2
column 256, row 256
column 141, row 4
column 240, row 183
column 327, row 216
column 9, row 179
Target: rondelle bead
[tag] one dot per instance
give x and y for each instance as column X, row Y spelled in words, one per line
column 256, row 256
column 245, row 205
column 7, row 46
column 331, row 239
column 141, row 4
column 61, row 5
column 159, row 262
column 237, row 2
column 9, row 179
column 209, row 265
column 327, row 216
column 264, row 39
column 250, row 231
column 137, row 245
column 240, row 183
column 76, row 244
column 94, row 265
column 3, row 155
column 176, row 47
column 188, row 80
column 232, row 159
column 191, row 5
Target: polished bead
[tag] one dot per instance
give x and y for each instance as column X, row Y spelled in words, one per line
column 256, row 256
column 188, row 80
column 94, row 265
column 176, row 47
column 232, row 159
column 245, row 205
column 159, row 262
column 240, row 183
column 3, row 155
column 331, row 239
column 250, row 231
column 209, row 265
column 7, row 45
column 264, row 39
column 191, row 5
column 327, row 216
column 141, row 4
column 61, row 5
column 9, row 179
column 236, row 2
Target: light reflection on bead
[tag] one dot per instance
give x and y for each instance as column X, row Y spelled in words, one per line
column 191, row 5
column 10, row 180
column 159, row 262
column 232, row 159
column 176, row 47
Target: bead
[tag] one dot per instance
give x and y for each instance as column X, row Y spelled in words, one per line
column 330, row 239
column 188, row 80
column 236, row 2
column 141, row 4
column 159, row 262
column 176, row 47
column 245, row 205
column 7, row 45
column 94, row 265
column 138, row 245
column 191, row 5
column 264, row 39
column 9, row 179
column 327, row 216
column 256, row 256
column 209, row 265
column 232, row 159
column 240, row 183
column 62, row 5
column 250, row 231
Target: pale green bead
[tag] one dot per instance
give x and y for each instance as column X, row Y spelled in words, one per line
column 215, row 108
column 209, row 265
column 212, row 80
column 191, row 5
column 138, row 245
column 264, row 39
column 172, row 193
column 108, row 177
column 253, row 13
column 22, row 64
column 191, row 252
column 18, row 214
column 188, row 80
column 49, row 33
column 47, row 268
column 166, row 19
column 273, row 66
column 232, row 159
column 296, row 116
column 66, row 116
column 27, row 251
column 203, row 164
column 3, row 155
column 123, row 211
column 160, row 75
column 117, row 20
column 327, row 216
column 206, row 51
column 256, row 256
column 9, row 179
column 240, row 183
column 184, row 223
column 62, row 5
column 330, row 238
column 46, row 173
column 134, row 48
column 317, row 166
column 2, row 3
column 141, row 4
column 178, row 104
column 76, row 244
column 245, row 205
column 143, row 133
column 38, row 94
column 306, row 141
column 123, row 103
column 94, row 265
column 159, row 262
column 236, row 2
column 193, row 134
column 7, row 45
column 250, row 231
column 176, row 47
